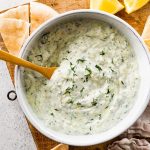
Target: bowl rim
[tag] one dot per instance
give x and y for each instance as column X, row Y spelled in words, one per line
column 30, row 116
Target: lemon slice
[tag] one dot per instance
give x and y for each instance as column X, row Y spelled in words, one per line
column 147, row 42
column 111, row 6
column 146, row 31
column 133, row 5
column 94, row 4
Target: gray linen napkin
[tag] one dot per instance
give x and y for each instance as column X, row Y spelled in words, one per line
column 130, row 144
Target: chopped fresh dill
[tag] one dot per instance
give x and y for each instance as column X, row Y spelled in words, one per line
column 98, row 67
column 52, row 114
column 70, row 101
column 102, row 53
column 112, row 69
column 88, row 70
column 108, row 91
column 122, row 59
column 112, row 95
column 82, row 90
column 106, row 107
column 94, row 102
column 122, row 82
column 68, row 90
column 56, row 109
column 79, row 104
column 88, row 74
column 100, row 116
column 81, row 60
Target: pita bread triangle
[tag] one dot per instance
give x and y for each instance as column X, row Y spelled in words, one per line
column 14, row 32
column 146, row 32
column 39, row 13
column 21, row 12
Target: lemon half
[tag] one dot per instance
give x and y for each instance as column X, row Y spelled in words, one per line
column 110, row 6
column 133, row 5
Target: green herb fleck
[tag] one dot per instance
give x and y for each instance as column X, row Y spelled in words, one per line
column 98, row 67
column 79, row 104
column 103, row 74
column 68, row 90
column 122, row 59
column 56, row 109
column 90, row 128
column 52, row 114
column 71, row 64
column 94, row 102
column 112, row 61
column 88, row 75
column 88, row 70
column 102, row 53
column 73, row 69
column 81, row 60
column 100, row 116
column 108, row 91
column 70, row 101
column 122, row 82
column 112, row 70
column 106, row 107
column 82, row 90
column 112, row 95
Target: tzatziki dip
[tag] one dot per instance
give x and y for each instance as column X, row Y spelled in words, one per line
column 95, row 84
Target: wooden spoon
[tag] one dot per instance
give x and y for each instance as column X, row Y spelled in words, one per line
column 45, row 71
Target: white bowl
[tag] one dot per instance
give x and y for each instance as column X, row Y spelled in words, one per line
column 141, row 101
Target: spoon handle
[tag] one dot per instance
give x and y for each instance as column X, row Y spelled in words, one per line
column 18, row 61
column 46, row 71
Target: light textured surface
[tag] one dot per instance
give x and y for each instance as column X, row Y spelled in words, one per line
column 10, row 4
column 14, row 131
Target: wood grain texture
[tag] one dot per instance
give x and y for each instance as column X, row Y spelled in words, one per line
column 137, row 20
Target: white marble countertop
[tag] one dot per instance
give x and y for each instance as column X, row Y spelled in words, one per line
column 14, row 131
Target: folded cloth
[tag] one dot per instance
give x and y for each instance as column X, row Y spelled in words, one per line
column 130, row 144
column 141, row 128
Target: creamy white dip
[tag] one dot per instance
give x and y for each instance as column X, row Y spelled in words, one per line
column 95, row 84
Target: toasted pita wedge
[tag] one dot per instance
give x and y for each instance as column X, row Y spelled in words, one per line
column 21, row 12
column 14, row 32
column 61, row 147
column 39, row 13
column 146, row 32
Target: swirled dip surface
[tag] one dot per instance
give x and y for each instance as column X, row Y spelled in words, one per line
column 95, row 84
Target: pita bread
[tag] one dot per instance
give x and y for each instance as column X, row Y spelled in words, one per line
column 21, row 12
column 14, row 32
column 39, row 13
column 146, row 32
column 61, row 147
